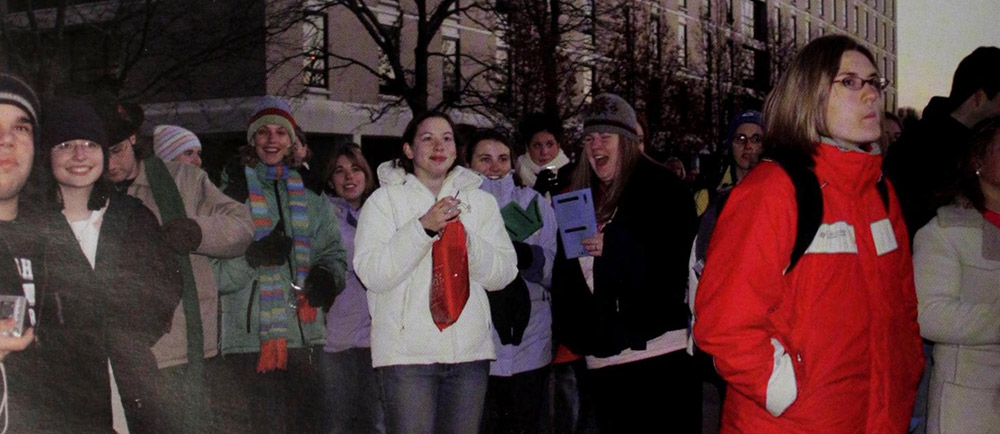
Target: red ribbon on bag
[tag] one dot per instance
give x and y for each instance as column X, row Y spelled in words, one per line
column 449, row 276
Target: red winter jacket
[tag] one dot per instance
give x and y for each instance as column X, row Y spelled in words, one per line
column 832, row 347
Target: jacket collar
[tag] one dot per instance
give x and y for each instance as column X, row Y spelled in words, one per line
column 847, row 168
column 459, row 179
column 964, row 215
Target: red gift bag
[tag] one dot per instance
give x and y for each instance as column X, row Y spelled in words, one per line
column 450, row 275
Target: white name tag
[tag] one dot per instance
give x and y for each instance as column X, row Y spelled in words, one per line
column 837, row 237
column 884, row 237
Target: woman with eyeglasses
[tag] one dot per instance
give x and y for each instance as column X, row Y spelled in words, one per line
column 746, row 138
column 830, row 344
column 116, row 281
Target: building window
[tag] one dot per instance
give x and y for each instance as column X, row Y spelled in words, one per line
column 867, row 34
column 729, row 11
column 451, row 72
column 777, row 25
column 809, row 30
column 386, row 85
column 821, row 8
column 795, row 29
column 682, row 43
column 587, row 26
column 314, row 39
column 747, row 17
column 683, row 4
column 856, row 29
column 657, row 38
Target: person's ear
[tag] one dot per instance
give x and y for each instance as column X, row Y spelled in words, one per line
column 407, row 150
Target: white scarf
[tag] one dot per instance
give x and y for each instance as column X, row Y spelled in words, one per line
column 527, row 170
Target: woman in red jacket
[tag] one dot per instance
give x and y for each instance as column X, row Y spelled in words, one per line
column 831, row 345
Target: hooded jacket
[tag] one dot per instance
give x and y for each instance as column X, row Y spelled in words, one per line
column 393, row 260
column 833, row 346
column 535, row 350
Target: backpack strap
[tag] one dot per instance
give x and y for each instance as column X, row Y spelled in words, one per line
column 809, row 201
column 883, row 191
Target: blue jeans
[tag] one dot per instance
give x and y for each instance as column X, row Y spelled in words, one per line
column 350, row 397
column 437, row 398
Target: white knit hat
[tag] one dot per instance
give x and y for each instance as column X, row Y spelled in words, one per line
column 169, row 141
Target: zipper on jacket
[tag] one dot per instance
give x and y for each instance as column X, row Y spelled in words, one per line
column 253, row 290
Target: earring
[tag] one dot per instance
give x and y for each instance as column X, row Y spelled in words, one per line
column 978, row 171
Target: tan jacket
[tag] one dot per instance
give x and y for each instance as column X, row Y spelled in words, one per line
column 226, row 231
column 956, row 259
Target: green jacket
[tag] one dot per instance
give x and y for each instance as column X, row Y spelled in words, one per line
column 239, row 294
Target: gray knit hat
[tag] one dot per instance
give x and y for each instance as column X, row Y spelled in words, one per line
column 16, row 92
column 609, row 113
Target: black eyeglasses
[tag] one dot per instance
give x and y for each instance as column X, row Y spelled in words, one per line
column 854, row 82
column 742, row 139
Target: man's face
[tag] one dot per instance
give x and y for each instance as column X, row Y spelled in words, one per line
column 122, row 164
column 17, row 149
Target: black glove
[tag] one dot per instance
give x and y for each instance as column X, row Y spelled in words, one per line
column 272, row 250
column 183, row 235
column 524, row 255
column 547, row 182
column 321, row 288
column 510, row 309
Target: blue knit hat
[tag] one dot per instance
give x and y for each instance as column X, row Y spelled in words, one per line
column 747, row 117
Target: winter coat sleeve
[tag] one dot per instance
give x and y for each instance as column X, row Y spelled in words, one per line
column 742, row 285
column 384, row 254
column 327, row 250
column 543, row 246
column 944, row 315
column 492, row 261
column 156, row 275
column 226, row 226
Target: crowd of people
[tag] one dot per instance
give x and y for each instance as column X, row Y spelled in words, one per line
column 800, row 289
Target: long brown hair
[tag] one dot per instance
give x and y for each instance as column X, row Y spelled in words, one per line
column 795, row 111
column 351, row 151
column 606, row 197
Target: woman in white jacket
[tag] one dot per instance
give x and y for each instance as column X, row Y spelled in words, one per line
column 956, row 258
column 432, row 367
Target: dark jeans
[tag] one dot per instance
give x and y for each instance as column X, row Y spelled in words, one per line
column 648, row 395
column 514, row 404
column 177, row 398
column 350, row 395
column 570, row 409
column 276, row 402
column 437, row 398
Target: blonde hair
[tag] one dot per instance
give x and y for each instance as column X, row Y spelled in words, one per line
column 795, row 111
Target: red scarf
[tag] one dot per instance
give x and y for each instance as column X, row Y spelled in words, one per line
column 993, row 217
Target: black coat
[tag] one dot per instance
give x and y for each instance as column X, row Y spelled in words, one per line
column 86, row 316
column 924, row 164
column 640, row 280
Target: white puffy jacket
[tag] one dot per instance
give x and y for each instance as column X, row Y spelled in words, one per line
column 393, row 260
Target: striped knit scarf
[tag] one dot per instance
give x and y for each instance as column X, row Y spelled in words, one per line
column 274, row 305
